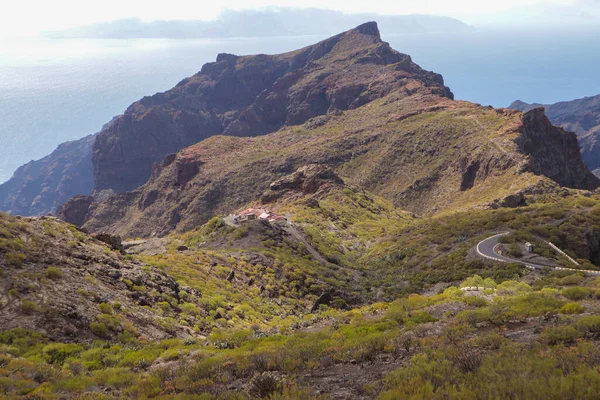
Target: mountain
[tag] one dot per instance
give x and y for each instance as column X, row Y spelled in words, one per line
column 350, row 103
column 242, row 96
column 41, row 186
column 254, row 95
column 266, row 22
column 581, row 116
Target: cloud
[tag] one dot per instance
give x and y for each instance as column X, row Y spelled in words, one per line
column 16, row 16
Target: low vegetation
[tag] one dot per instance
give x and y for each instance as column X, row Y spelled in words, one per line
column 455, row 344
column 233, row 306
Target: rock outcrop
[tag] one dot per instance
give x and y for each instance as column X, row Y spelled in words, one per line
column 554, row 152
column 75, row 210
column 306, row 180
column 255, row 95
column 581, row 116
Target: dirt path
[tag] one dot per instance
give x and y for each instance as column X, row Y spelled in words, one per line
column 299, row 236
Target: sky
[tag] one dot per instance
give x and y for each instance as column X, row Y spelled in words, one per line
column 29, row 17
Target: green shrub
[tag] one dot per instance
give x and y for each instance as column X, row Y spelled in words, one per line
column 590, row 325
column 475, row 301
column 572, row 308
column 54, row 273
column 513, row 287
column 240, row 233
column 105, row 308
column 57, row 353
column 190, row 308
column 99, row 329
column 561, row 335
column 530, row 305
column 28, row 307
column 481, row 315
column 111, row 322
column 420, row 318
column 514, row 250
column 576, row 293
column 164, row 306
column 15, row 259
column 478, row 281
column 570, row 280
column 264, row 385
column 396, row 313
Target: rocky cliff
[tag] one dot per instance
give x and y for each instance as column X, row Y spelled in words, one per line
column 39, row 187
column 581, row 116
column 554, row 152
column 255, row 95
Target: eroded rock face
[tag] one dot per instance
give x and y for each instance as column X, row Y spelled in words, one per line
column 554, row 152
column 75, row 210
column 254, row 95
column 307, row 179
column 114, row 241
column 581, row 116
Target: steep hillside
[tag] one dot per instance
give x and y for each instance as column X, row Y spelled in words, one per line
column 255, row 95
column 39, row 187
column 424, row 153
column 581, row 116
column 73, row 287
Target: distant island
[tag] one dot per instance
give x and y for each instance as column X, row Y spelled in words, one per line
column 260, row 23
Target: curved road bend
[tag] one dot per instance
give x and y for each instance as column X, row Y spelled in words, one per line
column 487, row 249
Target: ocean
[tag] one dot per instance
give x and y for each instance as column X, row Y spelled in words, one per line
column 54, row 90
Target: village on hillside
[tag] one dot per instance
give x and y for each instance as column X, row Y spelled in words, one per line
column 251, row 214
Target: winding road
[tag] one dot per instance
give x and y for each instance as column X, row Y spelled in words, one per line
column 487, row 249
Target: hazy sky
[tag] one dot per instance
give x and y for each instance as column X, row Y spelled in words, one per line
column 26, row 17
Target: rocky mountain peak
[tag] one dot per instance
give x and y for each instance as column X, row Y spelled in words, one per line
column 368, row 28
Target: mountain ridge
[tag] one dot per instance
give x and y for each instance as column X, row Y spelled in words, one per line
column 41, row 186
column 220, row 174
